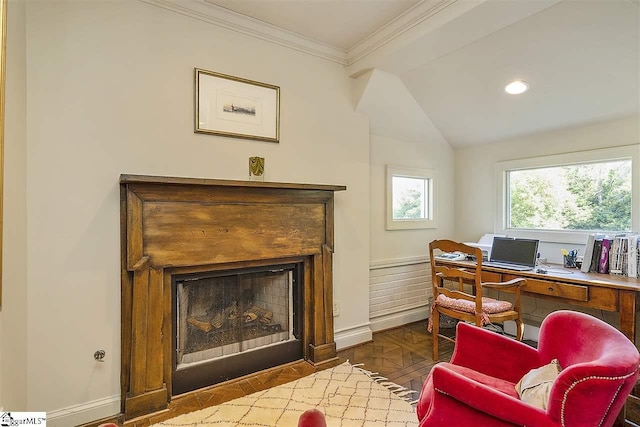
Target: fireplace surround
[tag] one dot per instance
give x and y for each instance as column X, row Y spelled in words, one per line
column 175, row 228
column 235, row 322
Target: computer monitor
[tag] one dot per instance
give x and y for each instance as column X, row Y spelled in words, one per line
column 515, row 251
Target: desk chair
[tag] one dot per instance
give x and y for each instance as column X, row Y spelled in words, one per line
column 466, row 301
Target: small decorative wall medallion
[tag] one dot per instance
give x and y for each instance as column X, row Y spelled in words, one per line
column 256, row 168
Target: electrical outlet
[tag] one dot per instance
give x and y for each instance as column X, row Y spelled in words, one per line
column 336, row 308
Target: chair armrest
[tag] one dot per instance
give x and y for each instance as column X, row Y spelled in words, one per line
column 493, row 354
column 513, row 283
column 586, row 391
column 485, row 399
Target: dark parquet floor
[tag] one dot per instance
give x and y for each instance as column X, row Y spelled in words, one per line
column 403, row 355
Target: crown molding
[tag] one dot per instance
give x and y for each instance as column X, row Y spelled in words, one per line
column 404, row 22
column 225, row 18
column 205, row 11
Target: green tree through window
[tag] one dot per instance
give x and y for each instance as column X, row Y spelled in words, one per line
column 409, row 198
column 590, row 196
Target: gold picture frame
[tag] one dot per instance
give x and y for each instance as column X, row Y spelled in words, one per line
column 236, row 107
column 3, row 67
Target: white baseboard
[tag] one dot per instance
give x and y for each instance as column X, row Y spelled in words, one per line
column 84, row 413
column 353, row 336
column 531, row 332
column 394, row 320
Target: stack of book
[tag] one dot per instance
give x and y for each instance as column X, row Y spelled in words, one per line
column 616, row 255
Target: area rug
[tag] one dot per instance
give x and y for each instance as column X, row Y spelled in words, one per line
column 348, row 395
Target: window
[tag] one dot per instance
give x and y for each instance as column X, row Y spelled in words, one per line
column 563, row 198
column 410, row 198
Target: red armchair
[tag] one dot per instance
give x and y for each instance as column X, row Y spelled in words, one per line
column 477, row 387
column 312, row 418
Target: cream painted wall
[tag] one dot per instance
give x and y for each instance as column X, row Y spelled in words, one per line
column 434, row 153
column 13, row 317
column 110, row 91
column 474, row 191
column 402, row 135
column 475, row 195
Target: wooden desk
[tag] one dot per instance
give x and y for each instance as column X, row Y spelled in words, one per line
column 571, row 286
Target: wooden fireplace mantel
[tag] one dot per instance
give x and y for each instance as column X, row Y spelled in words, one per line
column 175, row 225
column 149, row 179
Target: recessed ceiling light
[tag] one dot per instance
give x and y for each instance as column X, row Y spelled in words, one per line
column 517, row 87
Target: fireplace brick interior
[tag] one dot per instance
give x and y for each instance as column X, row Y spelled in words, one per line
column 177, row 228
column 219, row 318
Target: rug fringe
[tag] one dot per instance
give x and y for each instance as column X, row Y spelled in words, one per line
column 402, row 392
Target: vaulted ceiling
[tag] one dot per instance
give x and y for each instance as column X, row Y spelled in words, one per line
column 581, row 58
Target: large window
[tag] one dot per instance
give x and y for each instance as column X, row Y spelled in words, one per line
column 564, row 197
column 410, row 198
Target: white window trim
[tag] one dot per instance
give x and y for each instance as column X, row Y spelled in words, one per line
column 580, row 237
column 409, row 224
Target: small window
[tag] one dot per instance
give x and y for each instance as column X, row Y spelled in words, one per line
column 410, row 198
column 564, row 197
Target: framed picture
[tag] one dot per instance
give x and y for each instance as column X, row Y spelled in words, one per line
column 236, row 107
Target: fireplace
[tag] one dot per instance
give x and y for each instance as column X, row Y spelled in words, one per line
column 220, row 279
column 231, row 323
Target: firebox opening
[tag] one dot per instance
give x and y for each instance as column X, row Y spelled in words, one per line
column 231, row 323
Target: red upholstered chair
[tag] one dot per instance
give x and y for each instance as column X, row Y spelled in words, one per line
column 312, row 418
column 477, row 387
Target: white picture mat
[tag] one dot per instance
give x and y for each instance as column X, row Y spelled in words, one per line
column 215, row 92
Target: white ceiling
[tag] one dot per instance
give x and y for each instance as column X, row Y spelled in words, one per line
column 580, row 57
column 339, row 23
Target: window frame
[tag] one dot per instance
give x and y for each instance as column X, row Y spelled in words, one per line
column 428, row 175
column 629, row 152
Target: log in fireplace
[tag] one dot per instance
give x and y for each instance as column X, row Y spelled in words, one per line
column 235, row 322
column 220, row 279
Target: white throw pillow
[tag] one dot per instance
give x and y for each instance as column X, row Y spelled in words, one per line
column 535, row 386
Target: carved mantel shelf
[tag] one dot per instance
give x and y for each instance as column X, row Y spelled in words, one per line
column 148, row 179
column 173, row 225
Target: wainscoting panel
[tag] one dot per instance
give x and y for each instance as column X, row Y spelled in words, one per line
column 399, row 292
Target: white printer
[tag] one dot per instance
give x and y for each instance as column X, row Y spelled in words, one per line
column 485, row 243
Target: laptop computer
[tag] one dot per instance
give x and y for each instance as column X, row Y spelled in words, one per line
column 513, row 254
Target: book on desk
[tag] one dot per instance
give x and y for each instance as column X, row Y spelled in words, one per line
column 616, row 255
